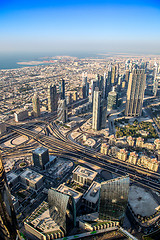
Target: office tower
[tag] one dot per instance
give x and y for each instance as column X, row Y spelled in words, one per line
column 62, row 209
column 113, row 199
column 92, row 87
column 113, row 76
column 62, row 89
column 101, row 82
column 105, row 82
column 8, row 221
column 112, row 100
column 36, row 105
column 127, row 75
column 84, row 79
column 97, row 110
column 40, row 157
column 135, row 93
column 62, row 111
column 85, row 86
column 52, row 98
column 97, row 79
column 84, row 92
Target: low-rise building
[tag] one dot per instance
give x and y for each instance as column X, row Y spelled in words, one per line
column 12, row 179
column 83, row 175
column 104, row 148
column 149, row 163
column 157, row 144
column 139, row 142
column 133, row 156
column 130, row 141
column 40, row 225
column 122, row 154
column 149, row 146
column 32, row 179
column 112, row 140
column 72, row 192
column 91, row 197
column 20, row 115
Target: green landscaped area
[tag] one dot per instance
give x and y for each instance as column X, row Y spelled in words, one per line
column 137, row 129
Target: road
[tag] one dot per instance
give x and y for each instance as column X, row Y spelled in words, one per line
column 61, row 146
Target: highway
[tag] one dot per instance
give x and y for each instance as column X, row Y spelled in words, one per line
column 61, row 146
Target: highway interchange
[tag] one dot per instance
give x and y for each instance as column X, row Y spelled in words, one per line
column 61, row 145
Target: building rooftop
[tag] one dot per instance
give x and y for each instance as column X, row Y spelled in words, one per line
column 67, row 190
column 39, row 150
column 11, row 177
column 92, row 194
column 40, row 219
column 31, row 175
column 85, row 172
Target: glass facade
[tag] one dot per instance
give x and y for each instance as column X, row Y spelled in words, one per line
column 114, row 198
column 8, row 222
column 62, row 209
column 40, row 157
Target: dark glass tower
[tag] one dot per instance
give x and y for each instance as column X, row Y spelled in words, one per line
column 114, row 199
column 8, row 222
column 62, row 88
column 62, row 209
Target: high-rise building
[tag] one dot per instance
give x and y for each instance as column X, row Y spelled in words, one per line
column 113, row 199
column 97, row 110
column 84, row 79
column 8, row 221
column 105, row 83
column 112, row 100
column 92, row 87
column 62, row 89
column 36, row 105
column 135, row 92
column 62, row 209
column 40, row 157
column 62, row 111
column 52, row 98
column 113, row 76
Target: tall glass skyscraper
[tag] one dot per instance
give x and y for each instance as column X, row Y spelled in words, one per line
column 8, row 222
column 135, row 92
column 62, row 88
column 36, row 105
column 62, row 209
column 113, row 199
column 52, row 98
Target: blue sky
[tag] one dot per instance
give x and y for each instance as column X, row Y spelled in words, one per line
column 72, row 26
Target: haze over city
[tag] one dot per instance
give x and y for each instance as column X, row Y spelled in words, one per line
column 80, row 120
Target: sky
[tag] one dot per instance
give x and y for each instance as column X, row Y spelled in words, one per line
column 79, row 26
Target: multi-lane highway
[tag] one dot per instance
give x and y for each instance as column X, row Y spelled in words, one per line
column 62, row 146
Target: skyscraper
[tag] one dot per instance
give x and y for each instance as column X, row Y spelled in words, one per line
column 40, row 157
column 62, row 89
column 52, row 98
column 36, row 105
column 8, row 222
column 97, row 111
column 135, row 93
column 113, row 198
column 62, row 111
column 62, row 209
column 113, row 76
column 112, row 100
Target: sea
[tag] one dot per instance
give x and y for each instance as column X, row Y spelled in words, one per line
column 9, row 61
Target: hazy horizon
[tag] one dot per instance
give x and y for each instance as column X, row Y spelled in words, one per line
column 87, row 26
